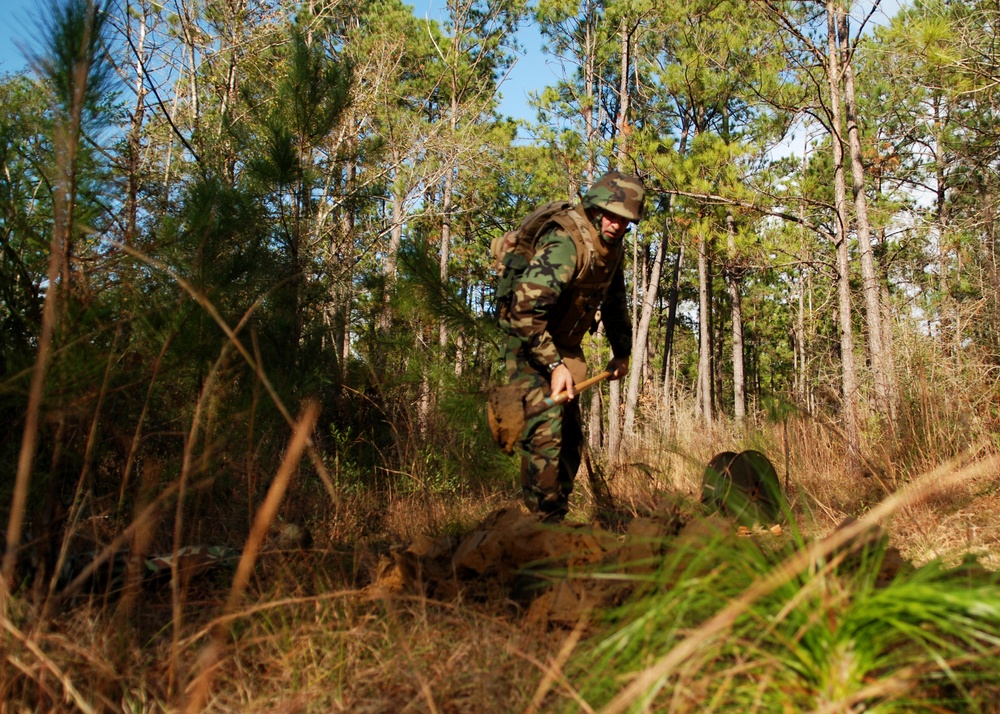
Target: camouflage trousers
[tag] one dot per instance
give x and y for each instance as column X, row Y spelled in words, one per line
column 551, row 444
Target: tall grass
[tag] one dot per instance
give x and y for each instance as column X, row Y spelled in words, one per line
column 768, row 623
column 829, row 639
column 727, row 624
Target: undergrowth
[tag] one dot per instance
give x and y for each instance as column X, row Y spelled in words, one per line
column 844, row 631
column 842, row 635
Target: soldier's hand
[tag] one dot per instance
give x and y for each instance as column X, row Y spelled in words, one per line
column 618, row 367
column 562, row 380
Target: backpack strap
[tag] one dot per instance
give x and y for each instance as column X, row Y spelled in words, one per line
column 500, row 247
column 522, row 240
column 513, row 251
column 579, row 229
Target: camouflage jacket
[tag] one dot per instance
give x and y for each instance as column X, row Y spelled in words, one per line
column 553, row 307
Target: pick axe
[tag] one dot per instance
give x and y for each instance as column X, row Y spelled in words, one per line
column 563, row 397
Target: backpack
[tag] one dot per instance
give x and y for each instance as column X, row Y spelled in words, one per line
column 512, row 251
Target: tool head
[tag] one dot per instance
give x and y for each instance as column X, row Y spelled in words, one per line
column 505, row 415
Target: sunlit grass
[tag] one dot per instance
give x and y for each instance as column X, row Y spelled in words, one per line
column 833, row 638
column 849, row 630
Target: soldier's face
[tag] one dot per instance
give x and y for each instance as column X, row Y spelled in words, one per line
column 613, row 227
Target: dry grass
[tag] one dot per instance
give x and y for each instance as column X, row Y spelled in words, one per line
column 392, row 656
column 953, row 523
column 335, row 651
column 307, row 637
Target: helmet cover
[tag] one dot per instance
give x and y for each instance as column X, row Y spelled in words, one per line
column 617, row 193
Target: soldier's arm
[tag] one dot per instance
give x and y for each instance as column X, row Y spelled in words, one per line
column 538, row 290
column 615, row 316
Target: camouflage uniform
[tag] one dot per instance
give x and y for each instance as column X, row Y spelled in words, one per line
column 552, row 308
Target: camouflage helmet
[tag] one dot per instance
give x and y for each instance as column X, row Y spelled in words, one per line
column 617, row 193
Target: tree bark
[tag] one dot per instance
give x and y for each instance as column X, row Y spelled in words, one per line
column 642, row 333
column 134, row 145
column 801, row 354
column 595, row 430
column 187, row 24
column 881, row 360
column 668, row 339
column 446, row 199
column 595, row 426
column 736, row 307
column 704, row 390
column 848, row 376
column 948, row 316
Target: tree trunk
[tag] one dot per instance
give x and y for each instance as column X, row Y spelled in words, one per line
column 446, row 198
column 446, row 201
column 668, row 338
column 799, row 332
column 704, row 390
column 801, row 357
column 736, row 306
column 622, row 130
column 716, row 328
column 642, row 334
column 948, row 316
column 848, row 377
column 614, row 420
column 395, row 238
column 638, row 274
column 342, row 337
column 133, row 159
column 595, row 431
column 595, row 426
column 881, row 360
column 396, row 219
column 187, row 24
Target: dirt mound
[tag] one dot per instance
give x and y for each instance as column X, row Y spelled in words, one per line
column 547, row 570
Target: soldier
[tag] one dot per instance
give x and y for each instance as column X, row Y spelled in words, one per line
column 576, row 270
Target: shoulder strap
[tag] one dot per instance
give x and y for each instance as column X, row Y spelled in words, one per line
column 522, row 240
column 579, row 230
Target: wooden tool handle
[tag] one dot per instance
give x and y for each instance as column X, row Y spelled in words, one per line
column 563, row 397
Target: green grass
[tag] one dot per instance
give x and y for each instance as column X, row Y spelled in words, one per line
column 833, row 638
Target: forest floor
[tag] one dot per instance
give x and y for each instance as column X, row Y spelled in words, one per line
column 452, row 604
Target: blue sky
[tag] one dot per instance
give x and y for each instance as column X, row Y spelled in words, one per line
column 15, row 27
column 530, row 72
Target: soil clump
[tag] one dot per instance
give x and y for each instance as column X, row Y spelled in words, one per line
column 555, row 575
